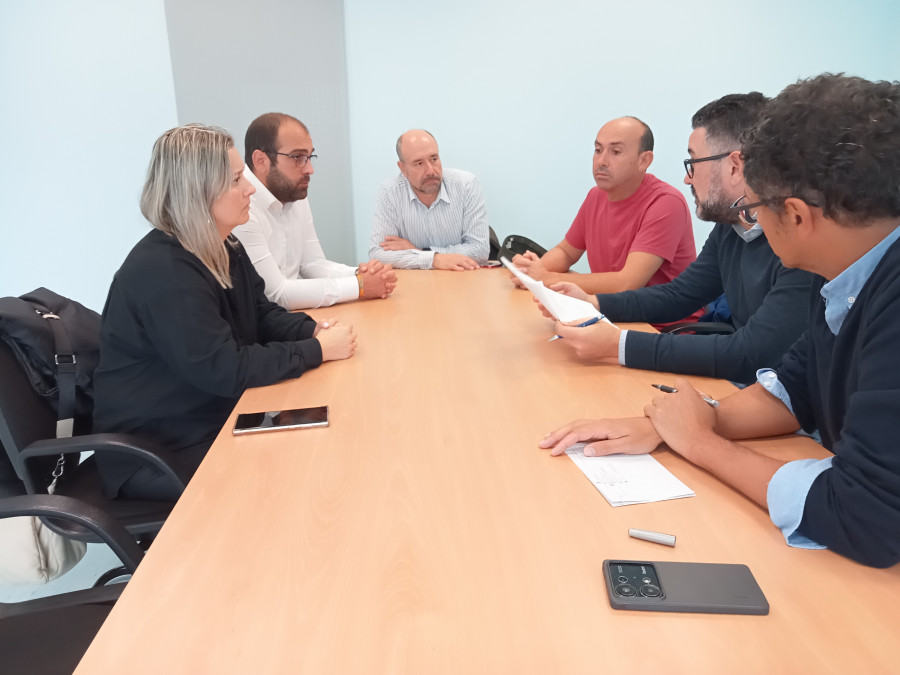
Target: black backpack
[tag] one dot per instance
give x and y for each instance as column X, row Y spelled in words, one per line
column 57, row 343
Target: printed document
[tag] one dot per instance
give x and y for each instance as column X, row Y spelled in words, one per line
column 562, row 307
column 629, row 479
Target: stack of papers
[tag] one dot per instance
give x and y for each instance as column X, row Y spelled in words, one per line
column 629, row 479
column 562, row 307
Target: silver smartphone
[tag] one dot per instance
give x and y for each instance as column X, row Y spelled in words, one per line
column 275, row 420
column 708, row 588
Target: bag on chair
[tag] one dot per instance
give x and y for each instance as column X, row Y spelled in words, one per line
column 57, row 343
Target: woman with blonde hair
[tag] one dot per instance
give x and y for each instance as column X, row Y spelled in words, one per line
column 187, row 327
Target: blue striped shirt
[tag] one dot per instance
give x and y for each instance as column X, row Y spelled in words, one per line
column 456, row 222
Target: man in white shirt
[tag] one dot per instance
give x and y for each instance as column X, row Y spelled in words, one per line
column 280, row 237
column 428, row 217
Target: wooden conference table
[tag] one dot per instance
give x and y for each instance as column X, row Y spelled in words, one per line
column 425, row 532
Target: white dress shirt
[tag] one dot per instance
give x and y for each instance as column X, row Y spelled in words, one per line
column 282, row 244
column 456, row 222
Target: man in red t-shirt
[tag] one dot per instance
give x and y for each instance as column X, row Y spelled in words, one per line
column 635, row 228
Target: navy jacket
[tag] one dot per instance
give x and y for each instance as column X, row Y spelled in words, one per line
column 768, row 305
column 848, row 387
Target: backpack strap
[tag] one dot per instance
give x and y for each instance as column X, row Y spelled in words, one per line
column 66, row 365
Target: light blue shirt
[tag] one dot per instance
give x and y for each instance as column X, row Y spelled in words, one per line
column 748, row 235
column 786, row 495
column 456, row 222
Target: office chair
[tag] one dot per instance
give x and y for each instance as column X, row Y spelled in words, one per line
column 714, row 322
column 28, row 434
column 699, row 328
column 516, row 244
column 50, row 635
column 493, row 245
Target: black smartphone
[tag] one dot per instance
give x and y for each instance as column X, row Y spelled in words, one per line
column 708, row 588
column 274, row 420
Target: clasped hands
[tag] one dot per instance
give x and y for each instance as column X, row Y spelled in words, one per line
column 683, row 421
column 337, row 340
column 379, row 279
column 529, row 263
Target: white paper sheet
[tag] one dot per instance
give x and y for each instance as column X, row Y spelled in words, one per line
column 562, row 307
column 629, row 479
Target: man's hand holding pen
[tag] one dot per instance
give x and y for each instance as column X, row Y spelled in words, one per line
column 682, row 419
column 597, row 342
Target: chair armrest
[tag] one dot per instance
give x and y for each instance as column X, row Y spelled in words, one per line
column 699, row 328
column 95, row 519
column 165, row 460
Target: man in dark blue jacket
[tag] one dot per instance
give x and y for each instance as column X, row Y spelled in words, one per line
column 823, row 170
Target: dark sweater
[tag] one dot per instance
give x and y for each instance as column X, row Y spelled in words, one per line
column 848, row 387
column 768, row 305
column 177, row 350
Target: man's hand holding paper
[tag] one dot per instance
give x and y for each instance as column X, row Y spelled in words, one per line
column 562, row 307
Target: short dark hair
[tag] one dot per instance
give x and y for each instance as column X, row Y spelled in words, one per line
column 833, row 141
column 647, row 137
column 262, row 134
column 728, row 118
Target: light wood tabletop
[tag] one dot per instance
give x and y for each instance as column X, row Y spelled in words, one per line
column 425, row 532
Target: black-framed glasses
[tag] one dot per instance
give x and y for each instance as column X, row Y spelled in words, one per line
column 299, row 160
column 747, row 212
column 689, row 163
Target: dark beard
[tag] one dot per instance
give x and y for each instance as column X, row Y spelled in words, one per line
column 282, row 189
column 715, row 211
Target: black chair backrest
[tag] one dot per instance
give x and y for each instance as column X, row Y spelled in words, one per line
column 516, row 244
column 24, row 416
column 493, row 245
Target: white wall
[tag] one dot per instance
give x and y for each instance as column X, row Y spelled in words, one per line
column 233, row 62
column 515, row 91
column 86, row 88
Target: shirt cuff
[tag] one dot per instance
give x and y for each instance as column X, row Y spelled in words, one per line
column 622, row 335
column 786, row 498
column 348, row 288
column 768, row 378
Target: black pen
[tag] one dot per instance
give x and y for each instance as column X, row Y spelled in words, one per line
column 672, row 390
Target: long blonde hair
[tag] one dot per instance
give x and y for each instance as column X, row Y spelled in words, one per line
column 189, row 170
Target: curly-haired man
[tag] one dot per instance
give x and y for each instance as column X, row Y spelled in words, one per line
column 823, row 173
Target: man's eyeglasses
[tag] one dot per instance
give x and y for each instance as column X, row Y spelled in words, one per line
column 747, row 211
column 299, row 160
column 689, row 163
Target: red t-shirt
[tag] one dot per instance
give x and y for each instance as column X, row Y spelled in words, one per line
column 655, row 220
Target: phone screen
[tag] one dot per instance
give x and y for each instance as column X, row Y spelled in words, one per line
column 273, row 420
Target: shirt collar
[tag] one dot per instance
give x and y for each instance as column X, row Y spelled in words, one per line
column 262, row 195
column 443, row 195
column 747, row 235
column 840, row 293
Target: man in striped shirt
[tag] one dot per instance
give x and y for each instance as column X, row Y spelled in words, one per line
column 426, row 217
